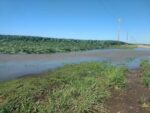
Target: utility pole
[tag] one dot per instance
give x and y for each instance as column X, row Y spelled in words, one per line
column 119, row 21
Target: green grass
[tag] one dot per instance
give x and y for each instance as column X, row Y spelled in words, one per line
column 10, row 44
column 77, row 88
column 145, row 69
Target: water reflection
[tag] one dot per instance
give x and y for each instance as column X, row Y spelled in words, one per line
column 13, row 66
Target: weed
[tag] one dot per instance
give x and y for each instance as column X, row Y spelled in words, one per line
column 77, row 88
column 145, row 70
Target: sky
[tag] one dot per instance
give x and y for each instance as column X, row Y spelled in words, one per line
column 77, row 19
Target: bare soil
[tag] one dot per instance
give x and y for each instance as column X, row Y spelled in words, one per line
column 132, row 99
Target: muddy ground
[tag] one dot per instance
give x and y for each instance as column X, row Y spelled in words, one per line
column 134, row 99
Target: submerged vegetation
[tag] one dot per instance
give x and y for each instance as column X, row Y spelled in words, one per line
column 73, row 88
column 38, row 45
column 145, row 69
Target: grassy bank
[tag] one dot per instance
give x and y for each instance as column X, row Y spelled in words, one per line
column 27, row 44
column 145, row 70
column 78, row 88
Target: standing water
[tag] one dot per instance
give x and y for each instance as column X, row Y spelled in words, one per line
column 14, row 66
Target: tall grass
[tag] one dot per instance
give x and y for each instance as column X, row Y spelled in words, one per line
column 145, row 69
column 78, row 88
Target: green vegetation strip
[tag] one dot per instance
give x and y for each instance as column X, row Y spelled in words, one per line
column 10, row 44
column 73, row 88
column 145, row 70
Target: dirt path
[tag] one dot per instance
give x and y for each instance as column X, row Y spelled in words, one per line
column 132, row 98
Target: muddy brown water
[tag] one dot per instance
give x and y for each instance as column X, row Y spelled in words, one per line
column 14, row 66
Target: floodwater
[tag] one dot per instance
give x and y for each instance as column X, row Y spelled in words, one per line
column 14, row 66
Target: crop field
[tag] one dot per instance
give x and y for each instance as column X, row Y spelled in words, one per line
column 27, row 44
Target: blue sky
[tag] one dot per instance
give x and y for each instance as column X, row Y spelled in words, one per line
column 77, row 19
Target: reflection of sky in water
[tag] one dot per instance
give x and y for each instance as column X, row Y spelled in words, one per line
column 134, row 63
column 13, row 69
column 10, row 70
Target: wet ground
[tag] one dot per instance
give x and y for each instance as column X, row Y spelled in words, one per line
column 13, row 66
column 134, row 99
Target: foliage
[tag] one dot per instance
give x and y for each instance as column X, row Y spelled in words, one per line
column 145, row 69
column 28, row 44
column 73, row 88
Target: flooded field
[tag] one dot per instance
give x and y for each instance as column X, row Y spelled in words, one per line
column 14, row 66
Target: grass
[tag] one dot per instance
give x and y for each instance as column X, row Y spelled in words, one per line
column 11, row 44
column 145, row 78
column 77, row 88
column 145, row 69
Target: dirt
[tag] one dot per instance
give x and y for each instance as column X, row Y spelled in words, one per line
column 132, row 99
